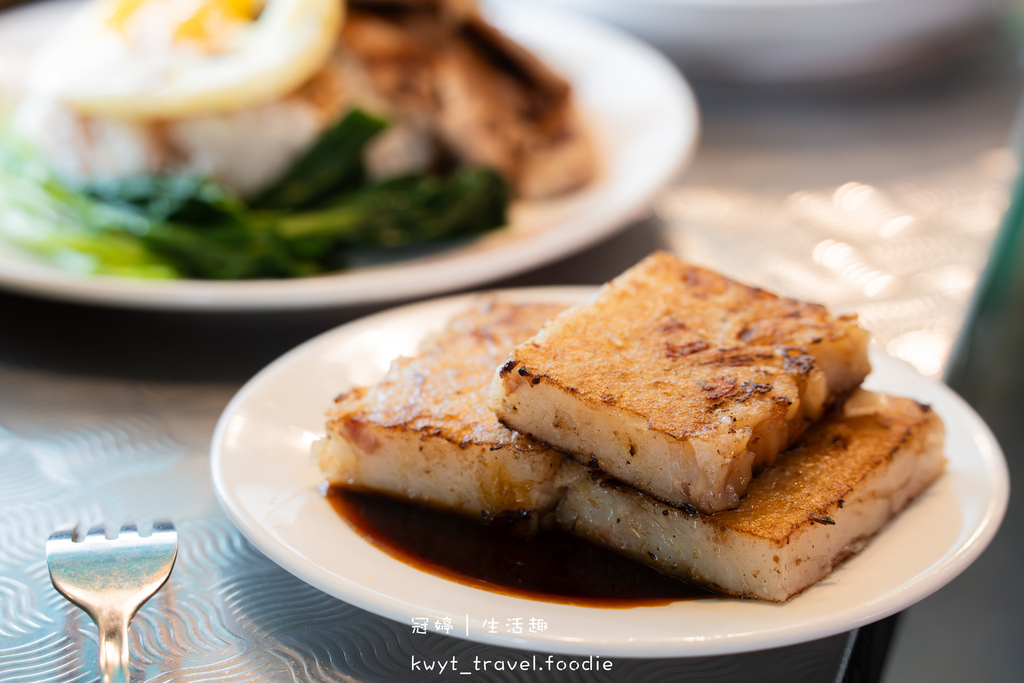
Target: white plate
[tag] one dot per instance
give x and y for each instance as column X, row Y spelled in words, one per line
column 264, row 478
column 644, row 120
column 775, row 41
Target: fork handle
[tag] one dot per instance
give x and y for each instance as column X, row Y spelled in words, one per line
column 113, row 628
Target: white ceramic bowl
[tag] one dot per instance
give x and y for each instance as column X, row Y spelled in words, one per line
column 794, row 40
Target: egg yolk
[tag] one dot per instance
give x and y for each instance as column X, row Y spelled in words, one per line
column 209, row 24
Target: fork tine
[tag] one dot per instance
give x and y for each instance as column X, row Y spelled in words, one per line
column 62, row 536
column 110, row 579
column 163, row 526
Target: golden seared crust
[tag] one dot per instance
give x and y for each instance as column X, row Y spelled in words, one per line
column 857, row 467
column 442, row 392
column 424, row 434
column 679, row 381
column 812, row 481
column 681, row 346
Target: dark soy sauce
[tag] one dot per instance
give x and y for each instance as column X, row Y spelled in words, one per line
column 551, row 567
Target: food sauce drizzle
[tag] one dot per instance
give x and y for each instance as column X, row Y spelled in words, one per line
column 551, row 567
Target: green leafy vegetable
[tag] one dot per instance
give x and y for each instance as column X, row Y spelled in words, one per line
column 334, row 164
column 407, row 210
column 186, row 226
column 184, row 198
column 42, row 216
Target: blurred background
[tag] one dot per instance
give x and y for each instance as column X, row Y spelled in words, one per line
column 860, row 153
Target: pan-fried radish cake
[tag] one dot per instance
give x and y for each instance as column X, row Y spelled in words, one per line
column 820, row 503
column 425, row 433
column 679, row 381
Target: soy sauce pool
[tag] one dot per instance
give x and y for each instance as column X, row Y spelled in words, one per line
column 551, row 567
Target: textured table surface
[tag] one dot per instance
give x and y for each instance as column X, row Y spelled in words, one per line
column 876, row 198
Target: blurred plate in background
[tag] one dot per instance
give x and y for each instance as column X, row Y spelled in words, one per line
column 644, row 120
column 793, row 40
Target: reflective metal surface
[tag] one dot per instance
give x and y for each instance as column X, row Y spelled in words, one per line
column 904, row 255
column 882, row 201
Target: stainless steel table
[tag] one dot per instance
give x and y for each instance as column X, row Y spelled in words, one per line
column 882, row 198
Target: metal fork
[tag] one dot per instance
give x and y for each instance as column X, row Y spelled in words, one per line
column 111, row 579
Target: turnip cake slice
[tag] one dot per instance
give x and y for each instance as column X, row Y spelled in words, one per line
column 820, row 503
column 425, row 433
column 679, row 381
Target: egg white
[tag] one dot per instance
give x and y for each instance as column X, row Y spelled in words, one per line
column 92, row 69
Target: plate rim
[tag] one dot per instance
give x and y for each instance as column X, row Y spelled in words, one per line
column 450, row 270
column 946, row 567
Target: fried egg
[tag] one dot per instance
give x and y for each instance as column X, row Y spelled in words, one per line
column 139, row 60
